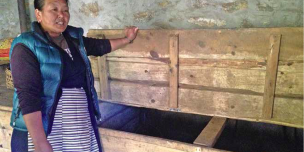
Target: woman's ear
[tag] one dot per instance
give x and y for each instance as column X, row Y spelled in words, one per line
column 38, row 15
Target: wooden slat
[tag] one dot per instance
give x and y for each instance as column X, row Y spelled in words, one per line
column 142, row 94
column 174, row 71
column 222, row 104
column 289, row 79
column 271, row 76
column 244, row 44
column 211, row 132
column 118, row 141
column 103, row 75
column 138, row 71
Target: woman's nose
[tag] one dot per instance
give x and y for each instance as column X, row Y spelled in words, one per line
column 60, row 14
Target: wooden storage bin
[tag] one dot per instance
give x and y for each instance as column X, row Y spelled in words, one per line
column 251, row 74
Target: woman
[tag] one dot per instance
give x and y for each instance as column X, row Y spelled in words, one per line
column 55, row 105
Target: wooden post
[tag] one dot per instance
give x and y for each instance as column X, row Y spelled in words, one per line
column 173, row 67
column 271, row 76
column 103, row 76
column 211, row 132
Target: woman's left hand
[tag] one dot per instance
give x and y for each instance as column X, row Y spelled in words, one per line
column 131, row 33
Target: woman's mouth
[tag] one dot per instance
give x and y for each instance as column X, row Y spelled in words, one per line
column 60, row 23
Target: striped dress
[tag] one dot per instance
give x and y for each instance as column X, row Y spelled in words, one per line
column 72, row 129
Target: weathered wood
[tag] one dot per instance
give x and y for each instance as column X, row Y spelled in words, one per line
column 221, row 72
column 138, row 71
column 211, row 132
column 222, row 104
column 143, row 94
column 271, row 76
column 103, row 77
column 244, row 44
column 288, row 111
column 5, row 128
column 94, row 66
column 289, row 79
column 129, row 142
column 174, row 71
column 226, row 78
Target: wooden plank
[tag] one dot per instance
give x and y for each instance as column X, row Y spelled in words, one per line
column 94, row 66
column 289, row 79
column 129, row 142
column 247, row 44
column 142, row 93
column 242, row 44
column 103, row 76
column 138, row 71
column 223, row 78
column 211, row 132
column 288, row 111
column 174, row 70
column 222, row 104
column 271, row 76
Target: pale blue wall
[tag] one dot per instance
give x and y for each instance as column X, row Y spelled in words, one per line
column 168, row 14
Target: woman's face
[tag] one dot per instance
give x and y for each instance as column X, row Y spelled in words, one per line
column 54, row 16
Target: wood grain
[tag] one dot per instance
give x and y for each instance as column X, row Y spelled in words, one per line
column 271, row 75
column 129, row 142
column 221, row 72
column 211, row 132
column 103, row 77
column 243, row 44
column 174, row 71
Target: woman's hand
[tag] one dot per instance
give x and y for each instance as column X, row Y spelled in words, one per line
column 131, row 33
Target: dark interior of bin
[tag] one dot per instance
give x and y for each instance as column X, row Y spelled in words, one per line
column 237, row 135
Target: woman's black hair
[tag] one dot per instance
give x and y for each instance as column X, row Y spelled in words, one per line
column 38, row 4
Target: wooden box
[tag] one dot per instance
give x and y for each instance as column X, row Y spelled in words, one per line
column 251, row 74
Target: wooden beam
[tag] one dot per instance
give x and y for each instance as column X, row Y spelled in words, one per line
column 103, row 75
column 130, row 142
column 271, row 76
column 174, row 70
column 211, row 132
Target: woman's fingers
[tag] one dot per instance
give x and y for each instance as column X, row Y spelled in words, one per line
column 131, row 32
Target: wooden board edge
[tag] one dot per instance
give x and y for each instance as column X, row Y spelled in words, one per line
column 211, row 132
column 173, row 71
column 271, row 75
column 159, row 142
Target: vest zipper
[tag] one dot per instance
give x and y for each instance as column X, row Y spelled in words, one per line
column 17, row 115
column 50, row 114
column 88, row 79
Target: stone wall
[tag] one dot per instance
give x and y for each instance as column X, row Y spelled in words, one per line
column 167, row 14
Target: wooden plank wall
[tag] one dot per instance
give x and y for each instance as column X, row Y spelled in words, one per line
column 221, row 72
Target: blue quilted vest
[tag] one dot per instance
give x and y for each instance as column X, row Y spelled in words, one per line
column 51, row 71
